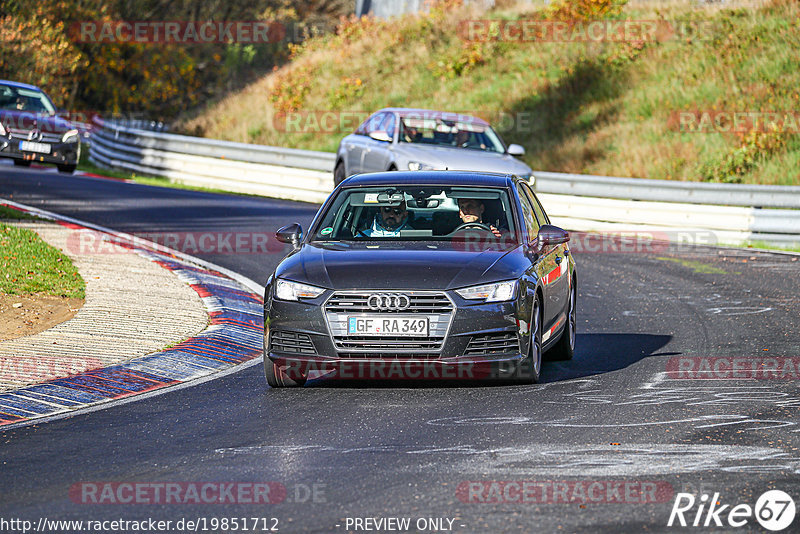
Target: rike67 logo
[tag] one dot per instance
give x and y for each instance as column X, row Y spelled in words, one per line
column 774, row 510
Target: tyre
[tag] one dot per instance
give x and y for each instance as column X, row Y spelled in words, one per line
column 69, row 169
column 338, row 173
column 564, row 348
column 278, row 378
column 22, row 162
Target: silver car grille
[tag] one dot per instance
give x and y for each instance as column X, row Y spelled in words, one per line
column 47, row 137
column 433, row 304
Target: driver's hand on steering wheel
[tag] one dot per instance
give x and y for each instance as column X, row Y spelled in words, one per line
column 495, row 231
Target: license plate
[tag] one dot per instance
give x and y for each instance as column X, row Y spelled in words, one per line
column 30, row 146
column 380, row 325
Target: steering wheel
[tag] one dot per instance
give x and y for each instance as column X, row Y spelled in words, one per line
column 466, row 225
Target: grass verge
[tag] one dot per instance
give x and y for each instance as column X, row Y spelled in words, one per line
column 30, row 266
column 610, row 108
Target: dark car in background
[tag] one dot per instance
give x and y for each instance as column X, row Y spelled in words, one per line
column 394, row 269
column 32, row 131
column 404, row 139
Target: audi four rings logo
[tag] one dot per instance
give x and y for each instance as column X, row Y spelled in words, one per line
column 388, row 302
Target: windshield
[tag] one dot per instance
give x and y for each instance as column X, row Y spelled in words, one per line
column 419, row 213
column 449, row 133
column 21, row 99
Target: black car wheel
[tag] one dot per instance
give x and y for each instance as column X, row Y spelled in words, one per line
column 529, row 369
column 22, row 162
column 69, row 169
column 565, row 347
column 338, row 173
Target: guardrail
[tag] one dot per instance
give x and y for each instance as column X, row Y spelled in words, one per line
column 238, row 167
column 734, row 213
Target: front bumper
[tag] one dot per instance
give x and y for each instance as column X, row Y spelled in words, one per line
column 60, row 153
column 478, row 335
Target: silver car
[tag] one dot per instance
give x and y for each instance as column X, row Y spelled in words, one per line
column 403, row 139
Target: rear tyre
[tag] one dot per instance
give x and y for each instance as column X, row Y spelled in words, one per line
column 338, row 173
column 22, row 162
column 278, row 378
column 565, row 347
column 69, row 169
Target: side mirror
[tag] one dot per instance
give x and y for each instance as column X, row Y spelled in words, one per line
column 551, row 235
column 515, row 150
column 291, row 234
column 380, row 136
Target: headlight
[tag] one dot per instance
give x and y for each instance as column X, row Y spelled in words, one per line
column 286, row 290
column 417, row 166
column 497, row 292
column 70, row 137
column 2, row 129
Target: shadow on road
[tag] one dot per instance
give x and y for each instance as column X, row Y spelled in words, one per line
column 595, row 354
column 602, row 353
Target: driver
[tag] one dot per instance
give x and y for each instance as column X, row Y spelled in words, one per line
column 471, row 211
column 389, row 221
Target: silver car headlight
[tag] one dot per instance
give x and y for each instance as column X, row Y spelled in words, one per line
column 286, row 290
column 70, row 137
column 497, row 292
column 417, row 166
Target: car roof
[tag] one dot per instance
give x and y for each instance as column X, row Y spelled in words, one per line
column 443, row 178
column 433, row 114
column 20, row 85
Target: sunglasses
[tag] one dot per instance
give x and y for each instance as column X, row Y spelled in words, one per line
column 396, row 211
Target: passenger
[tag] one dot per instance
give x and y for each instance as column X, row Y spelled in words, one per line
column 389, row 221
column 471, row 211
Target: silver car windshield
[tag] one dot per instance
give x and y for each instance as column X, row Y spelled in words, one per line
column 448, row 133
column 419, row 213
column 21, row 99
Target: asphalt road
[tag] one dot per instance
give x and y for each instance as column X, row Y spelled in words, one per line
column 611, row 416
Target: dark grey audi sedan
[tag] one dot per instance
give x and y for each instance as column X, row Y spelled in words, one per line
column 421, row 275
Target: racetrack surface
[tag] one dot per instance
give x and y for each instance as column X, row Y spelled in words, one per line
column 398, row 449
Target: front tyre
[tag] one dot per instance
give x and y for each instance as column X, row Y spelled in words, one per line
column 278, row 378
column 528, row 370
column 22, row 163
column 69, row 169
column 565, row 347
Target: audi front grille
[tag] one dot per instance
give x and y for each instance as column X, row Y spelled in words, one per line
column 436, row 305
